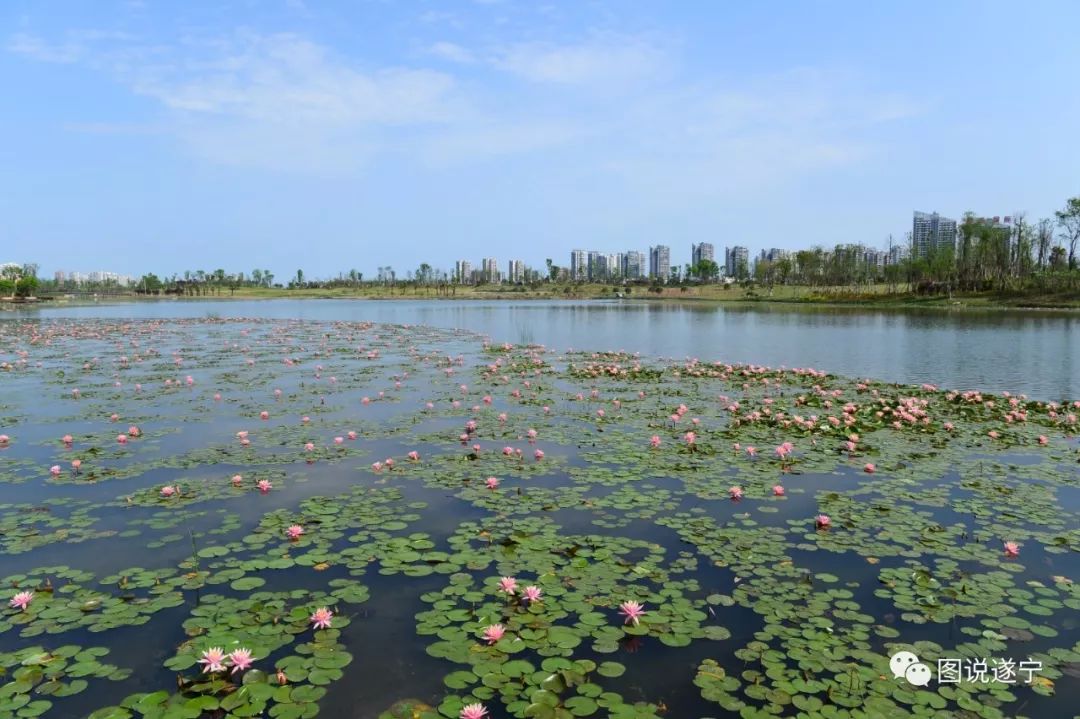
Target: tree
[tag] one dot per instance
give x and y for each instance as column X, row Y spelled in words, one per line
column 299, row 278
column 150, row 284
column 1068, row 220
column 1044, row 236
column 707, row 270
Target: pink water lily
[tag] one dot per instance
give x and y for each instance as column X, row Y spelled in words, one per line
column 168, row 491
column 21, row 600
column 55, row 470
column 264, row 485
column 473, row 711
column 322, row 618
column 294, row 532
column 539, row 454
column 1012, row 549
column 532, row 593
column 213, row 660
column 869, row 468
column 735, row 492
column 778, row 490
column 240, row 659
column 632, row 611
column 494, row 633
column 822, row 521
column 655, row 441
column 492, row 482
column 508, row 585
column 414, row 456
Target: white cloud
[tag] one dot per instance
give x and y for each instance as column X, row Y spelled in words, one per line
column 603, row 60
column 452, row 52
column 36, row 49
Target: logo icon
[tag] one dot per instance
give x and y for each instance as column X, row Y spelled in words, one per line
column 907, row 666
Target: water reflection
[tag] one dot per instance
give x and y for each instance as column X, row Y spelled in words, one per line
column 1034, row 352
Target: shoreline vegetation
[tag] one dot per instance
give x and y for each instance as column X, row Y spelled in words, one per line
column 867, row 296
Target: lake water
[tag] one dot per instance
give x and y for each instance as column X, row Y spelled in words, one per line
column 162, row 544
column 1031, row 352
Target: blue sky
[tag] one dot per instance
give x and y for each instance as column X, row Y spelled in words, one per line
column 283, row 134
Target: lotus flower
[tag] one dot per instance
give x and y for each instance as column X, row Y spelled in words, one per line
column 321, row 618
column 632, row 611
column 21, row 600
column 213, row 660
column 494, row 633
column 473, row 711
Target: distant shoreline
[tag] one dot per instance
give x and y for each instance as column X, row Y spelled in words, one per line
column 710, row 294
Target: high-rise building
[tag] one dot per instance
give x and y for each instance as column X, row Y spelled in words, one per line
column 660, row 262
column 578, row 269
column 59, row 276
column 702, row 251
column 594, row 266
column 490, row 271
column 515, row 271
column 463, row 272
column 932, row 233
column 737, row 261
column 633, row 266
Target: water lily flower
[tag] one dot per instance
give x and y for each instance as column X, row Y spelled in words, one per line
column 213, row 660
column 264, row 485
column 240, row 659
column 655, row 441
column 66, row 439
column 778, row 490
column 168, row 491
column 264, row 415
column 1012, row 549
column 414, row 456
column 822, row 521
column 321, row 618
column 494, row 633
column 351, row 434
column 539, row 454
column 869, row 468
column 735, row 492
column 473, row 711
column 55, row 470
column 532, row 593
column 294, row 532
column 632, row 611
column 492, row 482
column 21, row 600
column 507, row 584
column 237, row 479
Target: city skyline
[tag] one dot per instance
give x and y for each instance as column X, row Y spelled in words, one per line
column 300, row 134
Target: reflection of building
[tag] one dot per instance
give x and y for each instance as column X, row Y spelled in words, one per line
column 931, row 233
column 660, row 262
column 702, row 251
column 578, row 269
column 737, row 261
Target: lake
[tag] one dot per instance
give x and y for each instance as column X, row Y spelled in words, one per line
column 1032, row 352
column 354, row 510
